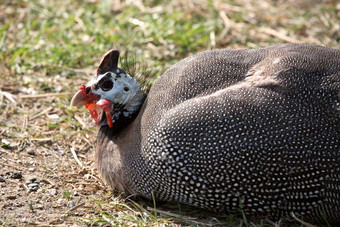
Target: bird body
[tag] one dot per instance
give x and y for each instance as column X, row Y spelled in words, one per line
column 225, row 130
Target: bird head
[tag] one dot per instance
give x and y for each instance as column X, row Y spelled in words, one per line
column 111, row 94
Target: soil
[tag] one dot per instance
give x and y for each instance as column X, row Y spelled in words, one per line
column 41, row 183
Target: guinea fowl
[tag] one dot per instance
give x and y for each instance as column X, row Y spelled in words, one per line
column 224, row 130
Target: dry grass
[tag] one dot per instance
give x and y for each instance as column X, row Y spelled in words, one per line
column 49, row 48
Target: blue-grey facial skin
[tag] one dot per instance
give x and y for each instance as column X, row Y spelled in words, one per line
column 121, row 89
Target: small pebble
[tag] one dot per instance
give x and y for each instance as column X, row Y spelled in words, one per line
column 31, row 179
column 2, row 179
column 39, row 206
column 31, row 169
column 11, row 197
column 71, row 204
column 16, row 176
column 31, row 152
column 5, row 142
column 61, row 152
column 61, row 201
column 33, row 186
column 52, row 191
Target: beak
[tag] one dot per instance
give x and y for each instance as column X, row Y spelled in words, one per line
column 78, row 99
column 84, row 96
column 92, row 102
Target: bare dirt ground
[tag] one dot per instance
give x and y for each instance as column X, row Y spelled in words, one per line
column 40, row 181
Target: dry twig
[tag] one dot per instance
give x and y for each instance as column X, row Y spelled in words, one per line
column 226, row 21
column 37, row 96
column 80, row 120
column 76, row 158
column 279, row 35
column 9, row 96
column 302, row 222
column 41, row 113
column 74, row 208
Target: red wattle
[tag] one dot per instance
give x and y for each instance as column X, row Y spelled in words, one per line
column 95, row 111
column 107, row 106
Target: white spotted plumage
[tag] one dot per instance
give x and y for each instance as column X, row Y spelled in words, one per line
column 224, row 130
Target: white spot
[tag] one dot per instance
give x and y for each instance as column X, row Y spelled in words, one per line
column 276, row 60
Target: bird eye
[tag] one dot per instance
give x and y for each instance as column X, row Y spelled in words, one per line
column 106, row 85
